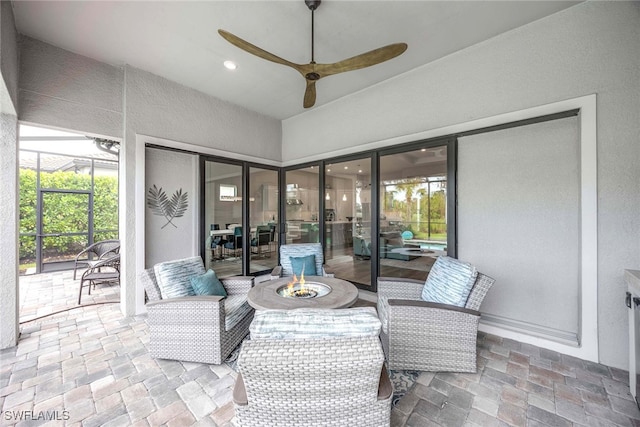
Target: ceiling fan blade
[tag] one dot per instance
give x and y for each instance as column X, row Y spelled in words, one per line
column 364, row 60
column 255, row 50
column 310, row 94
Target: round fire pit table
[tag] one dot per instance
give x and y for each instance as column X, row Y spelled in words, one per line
column 323, row 292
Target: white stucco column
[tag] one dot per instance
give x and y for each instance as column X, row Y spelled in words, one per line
column 9, row 289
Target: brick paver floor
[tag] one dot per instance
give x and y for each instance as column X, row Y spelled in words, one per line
column 90, row 366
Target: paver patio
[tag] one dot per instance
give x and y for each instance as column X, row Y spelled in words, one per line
column 90, row 366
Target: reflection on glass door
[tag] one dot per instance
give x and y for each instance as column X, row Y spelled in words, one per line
column 413, row 196
column 263, row 218
column 347, row 199
column 223, row 239
column 302, row 205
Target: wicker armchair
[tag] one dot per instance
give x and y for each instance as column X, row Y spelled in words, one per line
column 299, row 250
column 100, row 250
column 426, row 336
column 329, row 381
column 194, row 328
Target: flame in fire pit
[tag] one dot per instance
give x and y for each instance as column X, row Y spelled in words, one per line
column 299, row 291
column 298, row 288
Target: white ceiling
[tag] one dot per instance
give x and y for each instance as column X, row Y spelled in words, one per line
column 179, row 41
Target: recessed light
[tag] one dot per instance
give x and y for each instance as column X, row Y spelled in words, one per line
column 423, row 149
column 230, row 65
column 328, row 170
column 359, row 170
column 346, row 167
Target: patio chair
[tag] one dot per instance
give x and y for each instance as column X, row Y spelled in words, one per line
column 234, row 245
column 299, row 250
column 105, row 270
column 429, row 336
column 313, row 367
column 98, row 250
column 204, row 328
column 262, row 239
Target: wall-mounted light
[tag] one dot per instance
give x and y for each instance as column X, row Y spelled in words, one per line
column 344, row 197
column 327, row 197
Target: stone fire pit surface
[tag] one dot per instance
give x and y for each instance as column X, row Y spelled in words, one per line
column 264, row 296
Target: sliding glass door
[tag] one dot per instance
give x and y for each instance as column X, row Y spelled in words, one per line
column 347, row 200
column 302, row 205
column 224, row 233
column 380, row 213
column 413, row 211
column 263, row 219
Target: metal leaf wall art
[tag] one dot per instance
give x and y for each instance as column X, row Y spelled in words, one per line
column 169, row 208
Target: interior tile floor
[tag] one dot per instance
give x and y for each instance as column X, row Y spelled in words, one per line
column 90, row 366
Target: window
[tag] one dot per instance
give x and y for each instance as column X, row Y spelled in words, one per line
column 228, row 193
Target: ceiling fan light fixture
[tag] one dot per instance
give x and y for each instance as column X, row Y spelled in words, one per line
column 230, row 65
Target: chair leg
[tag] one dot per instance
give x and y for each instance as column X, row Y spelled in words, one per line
column 80, row 293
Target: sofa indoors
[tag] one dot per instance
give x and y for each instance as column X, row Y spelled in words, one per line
column 393, row 240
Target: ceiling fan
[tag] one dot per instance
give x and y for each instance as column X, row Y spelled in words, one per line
column 312, row 71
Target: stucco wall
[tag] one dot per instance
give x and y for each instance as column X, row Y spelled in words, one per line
column 8, row 60
column 593, row 47
column 519, row 222
column 9, row 296
column 62, row 89
column 9, row 292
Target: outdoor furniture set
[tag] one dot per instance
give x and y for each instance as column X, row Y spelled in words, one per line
column 102, row 263
column 314, row 366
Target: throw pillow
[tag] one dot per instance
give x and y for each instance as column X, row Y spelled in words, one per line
column 208, row 284
column 173, row 276
column 304, row 263
column 449, row 282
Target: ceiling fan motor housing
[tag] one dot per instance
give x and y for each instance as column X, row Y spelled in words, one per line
column 312, row 4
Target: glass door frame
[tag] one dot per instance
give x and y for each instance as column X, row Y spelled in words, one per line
column 246, row 236
column 450, row 141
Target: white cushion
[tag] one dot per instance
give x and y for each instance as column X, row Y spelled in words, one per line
column 449, row 282
column 315, row 323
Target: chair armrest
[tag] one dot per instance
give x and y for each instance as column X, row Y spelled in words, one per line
column 109, row 254
column 235, row 285
column 82, row 252
column 105, row 262
column 276, row 273
column 240, row 392
column 398, row 287
column 198, row 298
column 432, row 305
